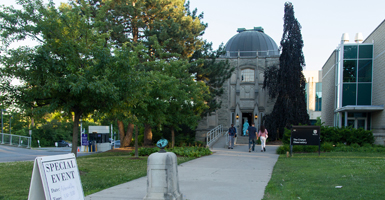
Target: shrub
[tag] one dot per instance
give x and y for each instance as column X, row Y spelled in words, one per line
column 181, row 151
column 367, row 145
column 327, row 146
column 310, row 148
column 298, row 148
column 286, row 136
column 355, row 145
column 143, row 151
column 346, row 135
column 283, row 149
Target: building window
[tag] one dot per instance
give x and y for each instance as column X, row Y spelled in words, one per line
column 350, row 51
column 306, row 92
column 247, row 75
column 357, row 74
column 318, row 96
column 350, row 69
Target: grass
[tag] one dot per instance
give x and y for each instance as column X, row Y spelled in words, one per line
column 309, row 176
column 97, row 172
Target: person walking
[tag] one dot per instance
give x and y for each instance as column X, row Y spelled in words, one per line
column 263, row 134
column 252, row 131
column 232, row 133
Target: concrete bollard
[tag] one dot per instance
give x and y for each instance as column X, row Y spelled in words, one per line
column 162, row 177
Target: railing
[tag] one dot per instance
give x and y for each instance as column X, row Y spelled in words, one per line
column 230, row 54
column 214, row 135
column 20, row 141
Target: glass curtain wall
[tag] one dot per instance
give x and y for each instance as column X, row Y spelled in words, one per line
column 357, row 74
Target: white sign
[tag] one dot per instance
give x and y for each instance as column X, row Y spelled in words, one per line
column 98, row 129
column 56, row 178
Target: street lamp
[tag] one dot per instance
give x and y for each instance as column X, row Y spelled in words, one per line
column 2, row 110
column 10, row 120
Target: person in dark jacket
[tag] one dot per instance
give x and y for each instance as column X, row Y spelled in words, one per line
column 232, row 133
column 252, row 131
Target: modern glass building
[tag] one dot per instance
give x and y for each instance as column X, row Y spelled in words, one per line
column 353, row 101
column 313, row 94
column 353, row 92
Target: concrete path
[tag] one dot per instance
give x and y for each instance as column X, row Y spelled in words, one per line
column 12, row 153
column 233, row 174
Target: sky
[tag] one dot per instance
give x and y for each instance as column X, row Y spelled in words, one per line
column 323, row 22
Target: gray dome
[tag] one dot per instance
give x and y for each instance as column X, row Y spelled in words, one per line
column 251, row 43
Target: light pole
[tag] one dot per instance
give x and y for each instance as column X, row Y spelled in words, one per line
column 10, row 119
column 2, row 110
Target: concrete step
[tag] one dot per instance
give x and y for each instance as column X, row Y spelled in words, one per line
column 242, row 139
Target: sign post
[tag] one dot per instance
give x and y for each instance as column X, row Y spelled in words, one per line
column 305, row 135
column 56, row 177
column 84, row 140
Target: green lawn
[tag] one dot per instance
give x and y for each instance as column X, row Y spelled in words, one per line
column 309, row 176
column 97, row 172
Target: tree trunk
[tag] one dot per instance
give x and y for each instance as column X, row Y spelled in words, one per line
column 147, row 135
column 172, row 137
column 125, row 136
column 75, row 133
column 136, row 142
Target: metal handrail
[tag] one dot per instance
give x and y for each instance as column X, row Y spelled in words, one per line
column 230, row 54
column 213, row 135
column 19, row 140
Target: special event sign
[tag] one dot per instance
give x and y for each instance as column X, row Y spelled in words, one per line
column 56, row 178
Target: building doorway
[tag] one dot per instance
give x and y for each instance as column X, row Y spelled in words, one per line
column 246, row 117
column 357, row 123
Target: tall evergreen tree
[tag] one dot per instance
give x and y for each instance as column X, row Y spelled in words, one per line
column 286, row 83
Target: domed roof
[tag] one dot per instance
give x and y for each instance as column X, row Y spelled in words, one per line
column 251, row 43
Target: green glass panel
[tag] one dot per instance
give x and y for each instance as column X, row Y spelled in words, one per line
column 350, row 52
column 318, row 96
column 364, row 96
column 365, row 71
column 349, row 94
column 366, row 51
column 306, row 92
column 350, row 68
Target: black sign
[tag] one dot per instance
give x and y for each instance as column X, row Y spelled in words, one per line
column 305, row 135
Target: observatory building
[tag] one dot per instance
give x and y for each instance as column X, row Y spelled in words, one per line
column 250, row 52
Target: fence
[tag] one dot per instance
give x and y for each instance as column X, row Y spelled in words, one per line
column 234, row 54
column 214, row 135
column 17, row 140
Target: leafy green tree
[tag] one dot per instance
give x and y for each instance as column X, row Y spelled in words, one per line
column 206, row 67
column 72, row 69
column 286, row 83
column 177, row 31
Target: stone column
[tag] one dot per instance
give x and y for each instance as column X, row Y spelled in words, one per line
column 162, row 177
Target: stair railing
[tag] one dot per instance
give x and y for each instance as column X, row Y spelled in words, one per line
column 213, row 135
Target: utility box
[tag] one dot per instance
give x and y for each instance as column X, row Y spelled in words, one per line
column 162, row 177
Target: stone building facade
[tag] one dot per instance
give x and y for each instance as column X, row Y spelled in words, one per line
column 250, row 52
column 354, row 84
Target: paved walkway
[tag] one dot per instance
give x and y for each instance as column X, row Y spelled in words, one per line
column 227, row 174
